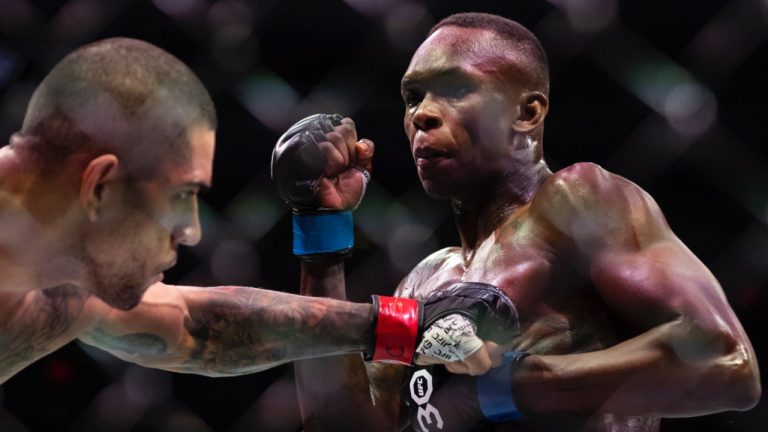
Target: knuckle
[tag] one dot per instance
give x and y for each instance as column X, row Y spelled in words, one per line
column 348, row 129
column 348, row 122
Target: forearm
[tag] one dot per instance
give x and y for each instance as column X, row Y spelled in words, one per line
column 323, row 279
column 674, row 370
column 334, row 392
column 243, row 330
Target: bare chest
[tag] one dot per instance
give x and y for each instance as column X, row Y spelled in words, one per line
column 559, row 310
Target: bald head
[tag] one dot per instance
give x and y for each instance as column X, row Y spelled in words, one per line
column 118, row 95
column 522, row 47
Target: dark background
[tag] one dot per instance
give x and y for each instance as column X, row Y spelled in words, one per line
column 668, row 94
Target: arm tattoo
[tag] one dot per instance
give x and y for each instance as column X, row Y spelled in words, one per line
column 241, row 330
column 35, row 326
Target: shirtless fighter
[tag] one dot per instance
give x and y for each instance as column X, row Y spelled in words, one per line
column 97, row 191
column 620, row 324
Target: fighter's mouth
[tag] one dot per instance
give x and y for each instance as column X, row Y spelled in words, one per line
column 429, row 153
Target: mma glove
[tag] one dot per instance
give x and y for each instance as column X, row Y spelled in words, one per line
column 444, row 323
column 298, row 165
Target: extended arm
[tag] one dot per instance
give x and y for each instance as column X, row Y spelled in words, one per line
column 237, row 330
column 690, row 356
column 230, row 330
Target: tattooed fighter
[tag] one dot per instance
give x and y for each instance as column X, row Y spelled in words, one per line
column 97, row 191
column 620, row 324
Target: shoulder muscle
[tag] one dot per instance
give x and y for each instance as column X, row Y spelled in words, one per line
column 596, row 208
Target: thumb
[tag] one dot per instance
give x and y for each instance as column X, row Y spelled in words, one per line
column 364, row 154
column 478, row 362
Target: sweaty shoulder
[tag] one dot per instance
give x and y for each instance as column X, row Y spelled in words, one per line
column 593, row 207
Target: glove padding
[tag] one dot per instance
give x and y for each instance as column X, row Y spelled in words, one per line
column 298, row 163
column 447, row 323
column 458, row 319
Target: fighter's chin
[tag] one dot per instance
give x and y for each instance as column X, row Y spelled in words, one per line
column 128, row 297
column 123, row 302
column 435, row 190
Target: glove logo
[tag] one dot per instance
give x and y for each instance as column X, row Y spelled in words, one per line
column 421, row 387
column 421, row 390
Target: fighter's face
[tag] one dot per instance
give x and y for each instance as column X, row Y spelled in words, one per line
column 459, row 109
column 154, row 218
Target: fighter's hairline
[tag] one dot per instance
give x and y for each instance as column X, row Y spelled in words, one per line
column 513, row 60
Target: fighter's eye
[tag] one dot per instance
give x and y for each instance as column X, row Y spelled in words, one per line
column 185, row 195
column 412, row 98
column 455, row 89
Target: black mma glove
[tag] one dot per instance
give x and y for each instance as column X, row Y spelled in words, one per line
column 300, row 162
column 467, row 308
column 444, row 324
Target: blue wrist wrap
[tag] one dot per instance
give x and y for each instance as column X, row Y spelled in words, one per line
column 494, row 390
column 325, row 232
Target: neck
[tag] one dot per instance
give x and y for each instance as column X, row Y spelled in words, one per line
column 35, row 227
column 480, row 213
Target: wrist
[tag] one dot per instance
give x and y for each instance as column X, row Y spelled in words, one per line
column 396, row 327
column 494, row 389
column 322, row 235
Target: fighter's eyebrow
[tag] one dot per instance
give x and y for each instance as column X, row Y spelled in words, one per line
column 415, row 78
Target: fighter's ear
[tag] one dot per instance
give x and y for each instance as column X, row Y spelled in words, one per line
column 533, row 109
column 95, row 183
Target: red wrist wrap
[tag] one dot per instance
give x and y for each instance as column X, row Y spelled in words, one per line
column 397, row 327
